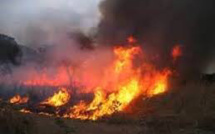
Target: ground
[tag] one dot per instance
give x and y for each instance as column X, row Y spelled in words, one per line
column 186, row 109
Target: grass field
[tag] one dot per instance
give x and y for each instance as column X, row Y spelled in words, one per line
column 185, row 109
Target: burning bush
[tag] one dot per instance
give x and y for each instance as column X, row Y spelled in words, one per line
column 17, row 99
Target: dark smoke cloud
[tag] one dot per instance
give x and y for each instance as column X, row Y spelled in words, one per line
column 160, row 24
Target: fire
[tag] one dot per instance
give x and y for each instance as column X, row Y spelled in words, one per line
column 125, row 57
column 131, row 39
column 105, row 105
column 176, row 52
column 130, row 85
column 160, row 83
column 61, row 79
column 122, row 81
column 17, row 99
column 58, row 99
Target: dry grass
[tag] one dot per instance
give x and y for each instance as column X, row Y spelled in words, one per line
column 12, row 122
column 187, row 109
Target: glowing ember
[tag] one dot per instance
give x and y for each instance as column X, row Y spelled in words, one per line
column 176, row 52
column 19, row 100
column 46, row 114
column 131, row 39
column 25, row 111
column 58, row 99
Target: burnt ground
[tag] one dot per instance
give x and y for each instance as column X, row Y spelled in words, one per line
column 186, row 109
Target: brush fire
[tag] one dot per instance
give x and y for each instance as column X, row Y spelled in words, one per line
column 17, row 99
column 127, row 77
column 107, row 66
column 58, row 99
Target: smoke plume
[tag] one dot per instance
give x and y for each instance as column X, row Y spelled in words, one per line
column 160, row 24
column 33, row 22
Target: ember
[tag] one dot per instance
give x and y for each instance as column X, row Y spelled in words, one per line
column 176, row 52
column 19, row 100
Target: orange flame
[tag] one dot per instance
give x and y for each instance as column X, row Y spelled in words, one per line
column 130, row 85
column 61, row 79
column 122, row 81
column 17, row 99
column 176, row 52
column 131, row 39
column 58, row 99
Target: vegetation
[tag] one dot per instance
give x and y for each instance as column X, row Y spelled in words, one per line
column 185, row 109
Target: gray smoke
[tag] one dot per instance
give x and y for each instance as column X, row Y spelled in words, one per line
column 160, row 24
column 33, row 22
column 157, row 24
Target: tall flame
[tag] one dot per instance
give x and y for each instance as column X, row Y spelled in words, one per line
column 130, row 84
column 121, row 82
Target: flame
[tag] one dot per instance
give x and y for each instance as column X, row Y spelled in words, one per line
column 176, row 52
column 124, row 57
column 102, row 105
column 130, row 85
column 17, row 99
column 131, row 39
column 60, row 98
column 122, row 81
column 61, row 79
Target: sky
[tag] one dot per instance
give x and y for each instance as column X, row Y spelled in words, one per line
column 24, row 18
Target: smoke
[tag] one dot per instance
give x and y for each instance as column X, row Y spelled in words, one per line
column 160, row 24
column 40, row 22
column 53, row 24
column 63, row 64
column 157, row 25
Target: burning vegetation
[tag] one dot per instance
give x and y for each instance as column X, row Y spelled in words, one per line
column 143, row 67
column 128, row 76
column 131, row 83
column 58, row 99
column 126, row 65
column 17, row 99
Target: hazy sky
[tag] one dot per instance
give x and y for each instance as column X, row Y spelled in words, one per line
column 21, row 18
